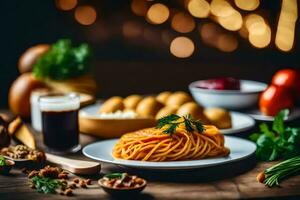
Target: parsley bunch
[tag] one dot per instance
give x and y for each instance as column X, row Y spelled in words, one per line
column 171, row 122
column 278, row 142
column 63, row 61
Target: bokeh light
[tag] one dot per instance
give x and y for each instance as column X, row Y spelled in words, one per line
column 183, row 22
column 248, row 5
column 158, row 13
column 198, row 8
column 232, row 22
column 66, row 4
column 261, row 40
column 221, row 8
column 182, row 47
column 85, row 15
column 227, row 43
column 285, row 34
column 139, row 7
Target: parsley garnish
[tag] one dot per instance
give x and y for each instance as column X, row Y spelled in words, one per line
column 171, row 123
column 277, row 142
column 46, row 185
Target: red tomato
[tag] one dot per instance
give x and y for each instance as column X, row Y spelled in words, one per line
column 274, row 99
column 288, row 78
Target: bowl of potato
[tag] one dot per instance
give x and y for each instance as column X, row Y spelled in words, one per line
column 118, row 115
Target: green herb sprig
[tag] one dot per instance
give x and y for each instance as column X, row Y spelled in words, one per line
column 278, row 142
column 63, row 61
column 46, row 185
column 115, row 175
column 2, row 161
column 275, row 174
column 171, row 122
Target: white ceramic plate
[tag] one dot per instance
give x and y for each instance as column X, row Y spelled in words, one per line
column 256, row 114
column 240, row 122
column 239, row 149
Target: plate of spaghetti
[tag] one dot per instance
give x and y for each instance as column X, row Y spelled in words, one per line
column 175, row 143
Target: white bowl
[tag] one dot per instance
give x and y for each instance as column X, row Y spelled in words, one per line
column 246, row 97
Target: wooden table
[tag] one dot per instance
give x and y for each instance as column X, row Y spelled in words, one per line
column 234, row 181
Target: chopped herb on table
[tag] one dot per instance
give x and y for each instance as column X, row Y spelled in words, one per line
column 46, row 185
column 277, row 142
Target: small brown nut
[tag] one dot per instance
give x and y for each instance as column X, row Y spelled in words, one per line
column 76, row 180
column 69, row 192
column 63, row 176
column 82, row 184
column 72, row 186
column 88, row 181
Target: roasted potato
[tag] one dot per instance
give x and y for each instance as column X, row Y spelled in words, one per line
column 163, row 96
column 178, row 99
column 132, row 101
column 194, row 110
column 219, row 117
column 148, row 107
column 112, row 105
column 167, row 110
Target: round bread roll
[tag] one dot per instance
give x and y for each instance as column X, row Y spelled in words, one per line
column 167, row 110
column 112, row 105
column 163, row 96
column 178, row 99
column 30, row 56
column 194, row 110
column 132, row 101
column 148, row 107
column 219, row 117
column 20, row 91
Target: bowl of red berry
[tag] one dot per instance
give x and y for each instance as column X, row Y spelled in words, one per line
column 229, row 93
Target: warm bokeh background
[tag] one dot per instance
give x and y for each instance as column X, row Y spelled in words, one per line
column 132, row 55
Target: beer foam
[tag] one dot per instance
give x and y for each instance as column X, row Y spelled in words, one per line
column 59, row 103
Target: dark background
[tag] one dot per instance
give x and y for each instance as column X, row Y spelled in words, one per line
column 123, row 67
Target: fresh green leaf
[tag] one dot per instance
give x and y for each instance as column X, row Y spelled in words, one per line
column 278, row 124
column 265, row 130
column 46, row 185
column 171, row 128
column 114, row 175
column 254, row 137
column 284, row 143
column 187, row 123
column 171, row 123
column 166, row 120
column 63, row 61
column 2, row 161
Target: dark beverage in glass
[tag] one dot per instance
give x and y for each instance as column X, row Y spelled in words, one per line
column 60, row 122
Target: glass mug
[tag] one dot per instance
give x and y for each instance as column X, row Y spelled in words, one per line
column 60, row 122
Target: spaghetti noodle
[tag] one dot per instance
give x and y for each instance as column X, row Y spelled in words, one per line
column 153, row 144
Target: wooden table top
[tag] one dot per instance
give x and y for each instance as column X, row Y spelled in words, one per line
column 231, row 181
